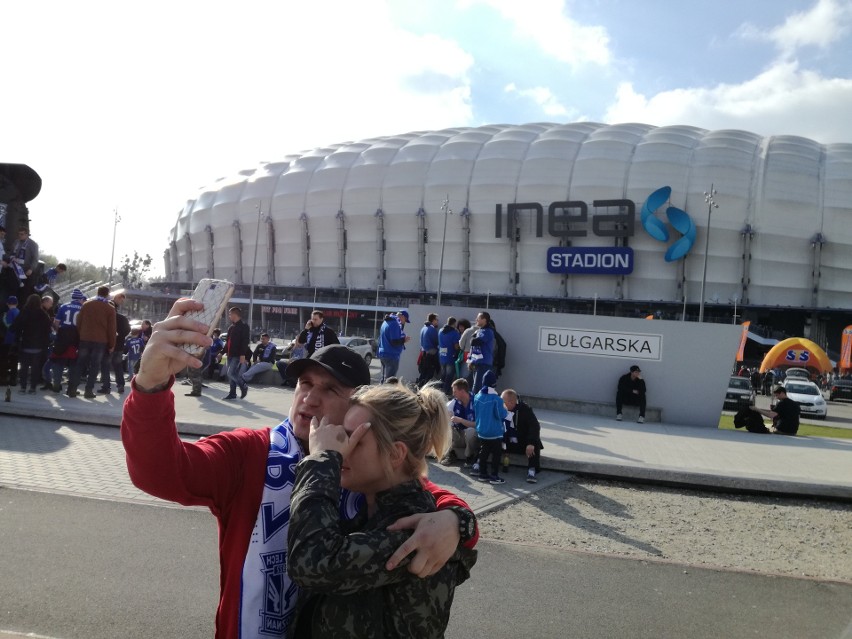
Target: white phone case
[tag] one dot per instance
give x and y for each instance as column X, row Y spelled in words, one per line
column 214, row 294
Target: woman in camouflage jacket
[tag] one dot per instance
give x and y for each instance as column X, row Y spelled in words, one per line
column 380, row 452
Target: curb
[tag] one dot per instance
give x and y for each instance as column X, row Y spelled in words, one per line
column 661, row 475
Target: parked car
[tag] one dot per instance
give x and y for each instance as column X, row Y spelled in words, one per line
column 739, row 394
column 360, row 345
column 840, row 389
column 808, row 396
column 797, row 373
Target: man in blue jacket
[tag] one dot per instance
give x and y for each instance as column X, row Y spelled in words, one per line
column 481, row 358
column 448, row 347
column 428, row 363
column 392, row 340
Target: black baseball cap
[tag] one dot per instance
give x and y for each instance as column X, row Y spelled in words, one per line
column 635, row 369
column 347, row 366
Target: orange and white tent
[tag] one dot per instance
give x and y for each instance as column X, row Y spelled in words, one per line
column 799, row 352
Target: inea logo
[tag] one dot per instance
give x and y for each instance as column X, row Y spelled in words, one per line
column 679, row 219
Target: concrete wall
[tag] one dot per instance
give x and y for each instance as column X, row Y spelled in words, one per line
column 686, row 365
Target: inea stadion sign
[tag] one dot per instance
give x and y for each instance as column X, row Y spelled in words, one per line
column 570, row 219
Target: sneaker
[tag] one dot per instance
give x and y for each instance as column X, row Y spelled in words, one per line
column 45, row 387
column 496, row 479
column 449, row 458
column 72, row 393
column 104, row 391
column 89, row 395
column 618, row 417
column 56, row 387
column 32, row 391
column 229, row 396
column 120, row 391
column 243, row 392
column 474, row 468
column 641, row 420
column 531, row 476
column 469, row 461
column 484, row 478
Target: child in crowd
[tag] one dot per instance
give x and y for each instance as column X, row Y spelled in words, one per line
column 490, row 413
column 133, row 347
column 380, row 452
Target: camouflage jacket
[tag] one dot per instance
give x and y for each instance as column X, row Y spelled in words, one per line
column 341, row 565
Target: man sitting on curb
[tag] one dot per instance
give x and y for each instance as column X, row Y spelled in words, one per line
column 784, row 413
column 631, row 391
column 524, row 433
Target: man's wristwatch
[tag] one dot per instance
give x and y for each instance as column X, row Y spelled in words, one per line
column 467, row 523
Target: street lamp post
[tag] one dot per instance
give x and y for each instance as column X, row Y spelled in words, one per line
column 117, row 219
column 711, row 204
column 447, row 212
column 254, row 268
column 376, row 316
column 346, row 321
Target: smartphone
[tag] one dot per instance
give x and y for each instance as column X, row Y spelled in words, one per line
column 214, row 294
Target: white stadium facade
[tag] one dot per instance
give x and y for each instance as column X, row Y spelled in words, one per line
column 566, row 217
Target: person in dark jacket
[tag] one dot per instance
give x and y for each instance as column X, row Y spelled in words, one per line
column 317, row 334
column 523, row 432
column 379, row 451
column 427, row 364
column 235, row 349
column 631, row 390
column 115, row 359
column 32, row 327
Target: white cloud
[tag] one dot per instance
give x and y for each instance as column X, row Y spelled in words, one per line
column 545, row 22
column 543, row 97
column 820, row 26
column 783, row 100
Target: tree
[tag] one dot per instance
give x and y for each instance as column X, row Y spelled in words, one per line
column 86, row 271
column 133, row 270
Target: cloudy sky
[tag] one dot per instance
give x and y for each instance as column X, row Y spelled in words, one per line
column 137, row 105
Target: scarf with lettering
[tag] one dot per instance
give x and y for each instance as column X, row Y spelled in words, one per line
column 268, row 595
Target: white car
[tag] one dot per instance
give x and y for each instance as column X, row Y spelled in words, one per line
column 808, row 396
column 360, row 345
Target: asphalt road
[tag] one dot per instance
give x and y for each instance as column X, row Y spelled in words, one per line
column 82, row 568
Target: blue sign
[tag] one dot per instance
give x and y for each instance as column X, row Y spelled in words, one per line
column 679, row 219
column 596, row 260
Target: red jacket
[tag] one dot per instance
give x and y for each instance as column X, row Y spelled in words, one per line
column 224, row 472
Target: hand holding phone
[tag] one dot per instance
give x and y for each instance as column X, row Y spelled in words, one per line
column 214, row 294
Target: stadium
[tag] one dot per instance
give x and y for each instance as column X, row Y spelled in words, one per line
column 623, row 220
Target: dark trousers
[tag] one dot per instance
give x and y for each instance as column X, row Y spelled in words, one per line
column 8, row 364
column 89, row 358
column 532, row 462
column 493, row 449
column 427, row 368
column 631, row 399
column 478, row 374
column 31, row 363
column 57, row 366
column 448, row 376
column 112, row 362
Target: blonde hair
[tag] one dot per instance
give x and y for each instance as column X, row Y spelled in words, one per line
column 417, row 419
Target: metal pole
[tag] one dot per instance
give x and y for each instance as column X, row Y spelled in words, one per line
column 487, row 300
column 346, row 321
column 254, row 269
column 116, row 220
column 447, row 212
column 376, row 315
column 595, row 306
column 711, row 204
